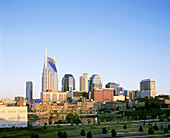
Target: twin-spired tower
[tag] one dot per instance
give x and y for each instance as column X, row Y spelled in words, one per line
column 49, row 75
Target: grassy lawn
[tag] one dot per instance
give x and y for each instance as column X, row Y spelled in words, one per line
column 73, row 131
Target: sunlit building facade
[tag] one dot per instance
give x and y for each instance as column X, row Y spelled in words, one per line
column 49, row 75
column 84, row 82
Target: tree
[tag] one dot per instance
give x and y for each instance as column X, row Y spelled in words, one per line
column 104, row 130
column 34, row 136
column 155, row 127
column 104, row 121
column 98, row 121
column 94, row 122
column 124, row 126
column 89, row 134
column 113, row 133
column 162, row 127
column 70, row 117
column 169, row 127
column 89, row 121
column 59, row 134
column 140, row 129
column 144, row 123
column 166, row 130
column 64, row 135
column 150, row 130
column 77, row 119
column 82, row 133
column 44, row 127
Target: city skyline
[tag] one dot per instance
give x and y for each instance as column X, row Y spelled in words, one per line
column 122, row 42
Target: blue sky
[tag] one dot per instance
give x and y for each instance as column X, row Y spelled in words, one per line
column 122, row 41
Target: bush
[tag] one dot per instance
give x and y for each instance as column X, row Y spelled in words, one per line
column 150, row 130
column 82, row 133
column 34, row 136
column 162, row 127
column 94, row 122
column 155, row 127
column 169, row 127
column 166, row 130
column 59, row 134
column 140, row 129
column 89, row 121
column 44, row 127
column 45, row 123
column 98, row 121
column 64, row 135
column 113, row 133
column 104, row 121
column 124, row 126
column 89, row 134
column 104, row 130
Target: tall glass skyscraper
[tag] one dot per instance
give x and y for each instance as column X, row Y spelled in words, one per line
column 68, row 83
column 49, row 75
column 29, row 90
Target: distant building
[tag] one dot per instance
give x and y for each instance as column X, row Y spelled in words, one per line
column 119, row 98
column 8, row 101
column 94, row 83
column 147, row 88
column 103, row 95
column 147, row 85
column 19, row 98
column 115, row 86
column 13, row 116
column 49, row 75
column 38, row 100
column 29, row 90
column 68, row 83
column 84, row 82
column 53, row 96
column 77, row 95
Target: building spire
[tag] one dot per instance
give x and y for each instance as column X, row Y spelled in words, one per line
column 46, row 57
column 54, row 55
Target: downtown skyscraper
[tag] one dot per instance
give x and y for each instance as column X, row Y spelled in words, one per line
column 29, row 90
column 49, row 75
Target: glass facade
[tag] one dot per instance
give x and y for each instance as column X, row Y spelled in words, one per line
column 68, row 83
column 29, row 90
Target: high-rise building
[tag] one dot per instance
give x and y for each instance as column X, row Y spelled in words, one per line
column 84, row 82
column 68, row 83
column 147, row 88
column 94, row 83
column 115, row 86
column 29, row 90
column 49, row 75
column 147, row 84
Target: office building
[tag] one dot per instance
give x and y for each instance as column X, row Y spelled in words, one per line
column 103, row 95
column 84, row 82
column 53, row 96
column 115, row 86
column 49, row 75
column 147, row 88
column 13, row 116
column 77, row 95
column 147, row 84
column 68, row 83
column 29, row 90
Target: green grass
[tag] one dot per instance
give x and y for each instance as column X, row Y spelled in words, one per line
column 73, row 131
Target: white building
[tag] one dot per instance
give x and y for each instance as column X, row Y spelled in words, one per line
column 13, row 116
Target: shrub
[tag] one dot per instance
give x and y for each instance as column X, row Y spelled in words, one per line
column 98, row 121
column 89, row 134
column 124, row 126
column 150, row 130
column 113, row 133
column 169, row 127
column 94, row 122
column 144, row 123
column 104, row 130
column 104, row 121
column 89, row 121
column 59, row 134
column 44, row 127
column 166, row 130
column 140, row 129
column 162, row 127
column 34, row 136
column 64, row 135
column 45, row 123
column 155, row 127
column 82, row 133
